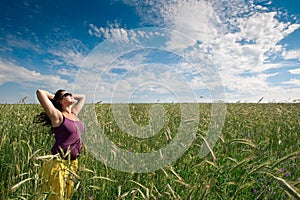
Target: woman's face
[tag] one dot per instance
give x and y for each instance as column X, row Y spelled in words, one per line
column 66, row 98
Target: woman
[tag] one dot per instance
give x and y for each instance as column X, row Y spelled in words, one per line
column 61, row 113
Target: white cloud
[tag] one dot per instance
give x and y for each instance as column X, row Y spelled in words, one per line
column 293, row 81
column 292, row 54
column 197, row 20
column 295, row 71
column 27, row 78
column 16, row 42
column 136, row 77
column 54, row 62
column 241, row 38
column 67, row 72
column 68, row 52
column 248, row 84
column 247, row 48
column 113, row 31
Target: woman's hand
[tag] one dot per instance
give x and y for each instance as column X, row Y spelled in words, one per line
column 45, row 93
column 78, row 97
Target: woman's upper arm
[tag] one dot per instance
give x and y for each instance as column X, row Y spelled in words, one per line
column 51, row 111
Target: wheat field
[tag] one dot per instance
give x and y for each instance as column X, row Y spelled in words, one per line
column 256, row 157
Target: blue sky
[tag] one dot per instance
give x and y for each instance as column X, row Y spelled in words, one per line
column 151, row 51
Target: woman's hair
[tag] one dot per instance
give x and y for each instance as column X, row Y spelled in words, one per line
column 43, row 117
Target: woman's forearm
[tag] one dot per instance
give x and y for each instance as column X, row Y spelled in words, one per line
column 78, row 97
column 44, row 93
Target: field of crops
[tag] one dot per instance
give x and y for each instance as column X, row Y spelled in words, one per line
column 256, row 157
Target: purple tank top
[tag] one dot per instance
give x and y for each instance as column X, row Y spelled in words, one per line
column 68, row 136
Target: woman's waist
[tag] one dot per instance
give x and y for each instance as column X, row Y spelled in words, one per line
column 66, row 144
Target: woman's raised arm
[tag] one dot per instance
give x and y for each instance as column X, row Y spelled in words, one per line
column 80, row 98
column 44, row 99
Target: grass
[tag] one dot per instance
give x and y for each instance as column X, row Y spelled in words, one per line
column 257, row 156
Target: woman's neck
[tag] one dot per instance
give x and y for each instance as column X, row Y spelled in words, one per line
column 67, row 110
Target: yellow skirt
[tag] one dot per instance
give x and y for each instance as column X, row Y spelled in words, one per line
column 57, row 179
